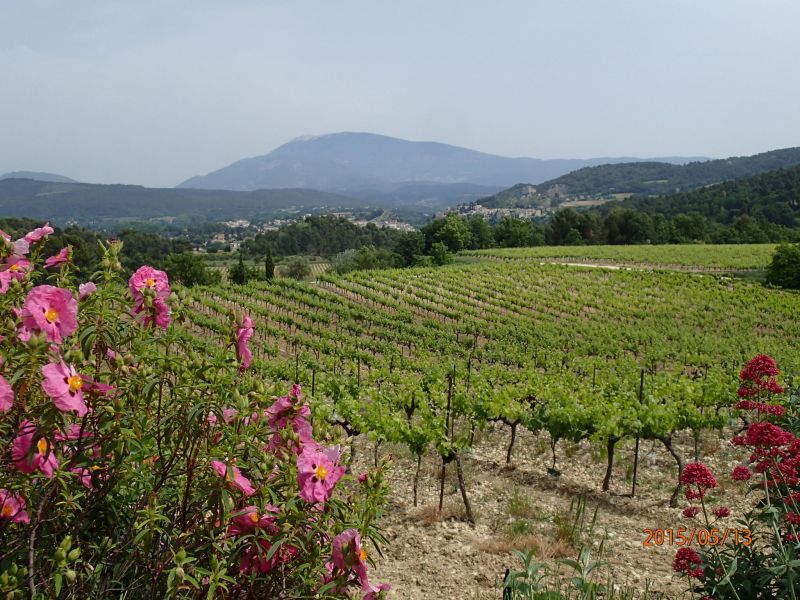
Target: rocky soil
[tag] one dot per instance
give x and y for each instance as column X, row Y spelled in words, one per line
column 433, row 555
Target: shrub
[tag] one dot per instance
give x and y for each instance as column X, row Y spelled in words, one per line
column 138, row 461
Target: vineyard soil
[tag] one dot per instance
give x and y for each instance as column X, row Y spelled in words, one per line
column 444, row 557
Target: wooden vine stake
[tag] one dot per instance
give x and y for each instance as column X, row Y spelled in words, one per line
column 636, row 451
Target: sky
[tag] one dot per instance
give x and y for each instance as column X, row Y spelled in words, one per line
column 152, row 92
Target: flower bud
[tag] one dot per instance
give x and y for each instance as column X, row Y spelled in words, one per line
column 74, row 554
column 71, row 575
column 180, row 574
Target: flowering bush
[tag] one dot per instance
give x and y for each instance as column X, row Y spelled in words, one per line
column 136, row 465
column 760, row 554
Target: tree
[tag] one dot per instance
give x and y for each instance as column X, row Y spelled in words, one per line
column 513, row 233
column 238, row 273
column 190, row 269
column 269, row 265
column 439, row 254
column 784, row 270
column 298, row 268
column 481, row 233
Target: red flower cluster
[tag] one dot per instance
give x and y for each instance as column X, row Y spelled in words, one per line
column 759, row 376
column 690, row 511
column 741, row 474
column 688, row 561
column 761, row 407
column 699, row 475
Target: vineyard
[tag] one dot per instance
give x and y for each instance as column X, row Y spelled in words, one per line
column 720, row 257
column 425, row 358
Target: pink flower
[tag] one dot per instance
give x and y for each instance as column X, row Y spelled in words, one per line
column 62, row 257
column 243, row 335
column 374, row 592
column 63, row 384
column 254, row 561
column 239, row 481
column 28, row 457
column 6, row 395
column 150, row 289
column 349, row 556
column 249, row 519
column 288, row 411
column 14, row 269
column 12, row 507
column 741, row 474
column 86, row 289
column 21, row 247
column 151, row 279
column 157, row 313
column 52, row 310
column 317, row 474
column 85, row 476
column 38, row 234
column 362, row 478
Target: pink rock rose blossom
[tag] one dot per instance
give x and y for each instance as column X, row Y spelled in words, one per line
column 317, row 474
column 64, row 384
column 12, row 507
column 239, row 481
column 29, row 457
column 6, row 395
column 52, row 310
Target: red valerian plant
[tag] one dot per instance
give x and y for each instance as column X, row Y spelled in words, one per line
column 144, row 459
column 761, row 554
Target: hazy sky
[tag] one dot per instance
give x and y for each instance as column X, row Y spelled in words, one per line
column 153, row 92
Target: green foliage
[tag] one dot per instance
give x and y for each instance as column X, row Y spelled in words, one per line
column 269, row 264
column 190, row 269
column 297, row 267
column 451, row 230
column 439, row 254
column 239, row 273
column 784, row 270
column 665, row 178
column 136, row 505
column 364, row 258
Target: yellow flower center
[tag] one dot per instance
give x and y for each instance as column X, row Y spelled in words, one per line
column 150, row 282
column 321, row 472
column 254, row 516
column 362, row 555
column 75, row 383
column 7, row 511
column 41, row 446
column 14, row 268
column 51, row 314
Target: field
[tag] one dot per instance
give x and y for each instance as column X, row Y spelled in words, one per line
column 722, row 257
column 520, row 382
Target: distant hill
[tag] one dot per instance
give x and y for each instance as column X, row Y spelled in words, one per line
column 641, row 178
column 658, row 178
column 93, row 204
column 343, row 162
column 772, row 197
column 37, row 176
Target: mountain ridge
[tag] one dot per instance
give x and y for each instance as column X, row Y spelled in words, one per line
column 345, row 160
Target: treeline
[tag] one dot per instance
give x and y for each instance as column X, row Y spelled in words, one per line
column 772, row 198
column 139, row 248
column 665, row 178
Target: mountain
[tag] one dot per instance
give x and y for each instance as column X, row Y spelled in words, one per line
column 591, row 185
column 773, row 197
column 341, row 162
column 87, row 203
column 37, row 176
column 663, row 178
